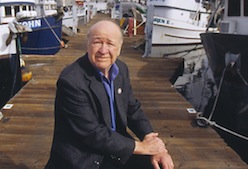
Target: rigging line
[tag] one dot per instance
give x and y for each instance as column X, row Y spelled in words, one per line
column 193, row 49
column 183, row 51
column 44, row 48
column 199, row 57
column 212, row 123
column 17, row 56
column 54, row 33
column 242, row 78
column 213, row 15
column 218, row 94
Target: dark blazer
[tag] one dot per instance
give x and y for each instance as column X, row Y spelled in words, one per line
column 82, row 134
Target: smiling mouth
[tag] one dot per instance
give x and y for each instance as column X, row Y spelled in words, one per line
column 102, row 58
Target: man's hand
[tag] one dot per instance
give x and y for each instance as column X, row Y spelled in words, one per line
column 162, row 160
column 151, row 145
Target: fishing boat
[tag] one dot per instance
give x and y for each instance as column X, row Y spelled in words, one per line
column 173, row 25
column 68, row 9
column 47, row 7
column 81, row 12
column 45, row 37
column 11, row 74
column 74, row 14
column 227, row 53
column 7, row 51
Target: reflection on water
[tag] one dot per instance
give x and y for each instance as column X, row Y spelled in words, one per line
column 197, row 82
column 197, row 85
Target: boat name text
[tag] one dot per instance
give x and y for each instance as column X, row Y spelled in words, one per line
column 32, row 23
column 160, row 20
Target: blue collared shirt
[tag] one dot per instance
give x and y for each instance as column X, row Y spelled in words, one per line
column 109, row 87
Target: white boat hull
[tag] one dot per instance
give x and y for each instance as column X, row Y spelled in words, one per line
column 173, row 24
column 171, row 35
column 4, row 34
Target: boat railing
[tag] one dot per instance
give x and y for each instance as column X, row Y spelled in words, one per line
column 26, row 14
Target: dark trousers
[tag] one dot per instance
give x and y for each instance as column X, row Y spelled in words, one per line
column 135, row 162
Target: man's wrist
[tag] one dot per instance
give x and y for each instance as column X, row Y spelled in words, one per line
column 138, row 147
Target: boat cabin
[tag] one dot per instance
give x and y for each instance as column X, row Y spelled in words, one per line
column 235, row 19
column 46, row 7
column 10, row 9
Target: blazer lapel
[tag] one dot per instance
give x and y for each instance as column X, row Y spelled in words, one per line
column 118, row 98
column 99, row 90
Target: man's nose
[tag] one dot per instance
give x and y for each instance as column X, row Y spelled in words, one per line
column 103, row 48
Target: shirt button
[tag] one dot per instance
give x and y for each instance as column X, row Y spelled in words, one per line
column 96, row 162
column 119, row 159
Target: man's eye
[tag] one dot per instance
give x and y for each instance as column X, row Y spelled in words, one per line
column 111, row 44
column 97, row 42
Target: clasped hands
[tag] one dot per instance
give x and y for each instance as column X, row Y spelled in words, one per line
column 154, row 146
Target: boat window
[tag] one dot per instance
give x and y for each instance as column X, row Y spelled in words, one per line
column 17, row 9
column 8, row 11
column 197, row 16
column 233, row 7
column 245, row 7
column 24, row 8
column 46, row 7
column 54, row 7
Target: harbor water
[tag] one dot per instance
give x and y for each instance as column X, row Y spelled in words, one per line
column 197, row 85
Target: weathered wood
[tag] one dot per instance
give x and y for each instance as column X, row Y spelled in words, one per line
column 27, row 128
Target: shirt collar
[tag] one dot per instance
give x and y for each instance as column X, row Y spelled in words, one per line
column 113, row 72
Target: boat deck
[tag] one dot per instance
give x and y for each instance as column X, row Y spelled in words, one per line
column 27, row 128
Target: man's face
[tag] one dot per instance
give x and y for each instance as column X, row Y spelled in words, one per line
column 104, row 45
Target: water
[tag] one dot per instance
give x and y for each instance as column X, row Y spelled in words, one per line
column 198, row 86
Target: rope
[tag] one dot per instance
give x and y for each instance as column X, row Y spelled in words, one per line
column 242, row 78
column 217, row 95
column 183, row 51
column 212, row 16
column 54, row 33
column 213, row 123
column 46, row 48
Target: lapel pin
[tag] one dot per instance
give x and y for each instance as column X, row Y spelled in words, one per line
column 119, row 91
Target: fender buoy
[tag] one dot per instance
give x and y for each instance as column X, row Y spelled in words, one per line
column 26, row 75
column 63, row 44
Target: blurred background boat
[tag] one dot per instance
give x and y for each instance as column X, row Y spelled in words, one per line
column 12, row 73
column 173, row 26
column 46, row 25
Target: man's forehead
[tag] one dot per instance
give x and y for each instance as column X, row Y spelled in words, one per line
column 105, row 26
column 105, row 39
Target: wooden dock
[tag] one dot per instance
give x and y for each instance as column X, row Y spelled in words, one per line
column 26, row 130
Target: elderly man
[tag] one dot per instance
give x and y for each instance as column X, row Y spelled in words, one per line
column 94, row 105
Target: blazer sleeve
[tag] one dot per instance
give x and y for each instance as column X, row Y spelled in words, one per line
column 136, row 118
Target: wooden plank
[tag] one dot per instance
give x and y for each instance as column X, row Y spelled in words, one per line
column 27, row 129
